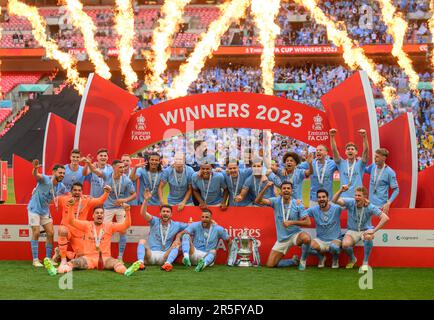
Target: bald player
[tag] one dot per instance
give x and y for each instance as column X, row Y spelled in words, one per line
column 323, row 170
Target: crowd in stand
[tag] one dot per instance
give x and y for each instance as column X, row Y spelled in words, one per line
column 318, row 80
column 10, row 123
column 361, row 18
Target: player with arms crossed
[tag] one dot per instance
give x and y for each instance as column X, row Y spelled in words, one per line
column 360, row 227
column 46, row 190
column 350, row 169
column 97, row 243
column 327, row 217
column 201, row 250
column 288, row 217
column 164, row 241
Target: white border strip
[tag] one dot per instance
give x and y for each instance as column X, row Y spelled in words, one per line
column 414, row 160
column 81, row 111
column 45, row 142
column 373, row 123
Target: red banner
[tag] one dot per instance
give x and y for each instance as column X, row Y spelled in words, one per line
column 425, row 190
column 402, row 158
column 58, row 142
column 23, row 179
column 3, row 181
column 406, row 240
column 103, row 116
column 225, row 110
column 350, row 107
column 316, row 49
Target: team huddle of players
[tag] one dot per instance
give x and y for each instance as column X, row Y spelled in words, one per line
column 113, row 190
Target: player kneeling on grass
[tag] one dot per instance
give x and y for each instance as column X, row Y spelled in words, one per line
column 97, row 243
column 68, row 234
column 164, row 237
column 289, row 217
column 202, row 248
column 359, row 227
column 327, row 217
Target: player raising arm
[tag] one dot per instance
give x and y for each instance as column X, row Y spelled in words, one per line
column 164, row 240
column 359, row 226
column 288, row 217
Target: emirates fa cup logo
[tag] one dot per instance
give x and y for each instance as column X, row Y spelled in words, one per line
column 317, row 123
column 141, row 123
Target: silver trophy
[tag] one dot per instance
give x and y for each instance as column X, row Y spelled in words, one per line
column 245, row 251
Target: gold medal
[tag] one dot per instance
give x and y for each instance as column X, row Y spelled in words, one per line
column 98, row 249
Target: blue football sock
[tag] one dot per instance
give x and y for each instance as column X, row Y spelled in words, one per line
column 34, row 245
column 185, row 244
column 368, row 244
column 141, row 251
column 315, row 253
column 209, row 258
column 172, row 255
column 350, row 253
column 122, row 244
column 335, row 251
column 304, row 251
column 286, row 263
column 48, row 250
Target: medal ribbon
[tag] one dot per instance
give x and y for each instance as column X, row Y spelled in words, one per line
column 164, row 237
column 284, row 212
column 377, row 177
column 98, row 239
column 323, row 170
column 350, row 171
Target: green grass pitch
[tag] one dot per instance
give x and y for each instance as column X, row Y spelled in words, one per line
column 19, row 280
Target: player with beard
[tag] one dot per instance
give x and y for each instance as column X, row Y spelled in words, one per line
column 350, row 169
column 97, row 181
column 327, row 217
column 382, row 178
column 256, row 182
column 97, row 243
column 47, row 189
column 164, row 240
column 290, row 172
column 178, row 176
column 149, row 177
column 360, row 212
column 73, row 170
column 209, row 188
column 322, row 177
column 201, row 250
column 235, row 179
column 82, row 205
column 122, row 191
column 289, row 216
